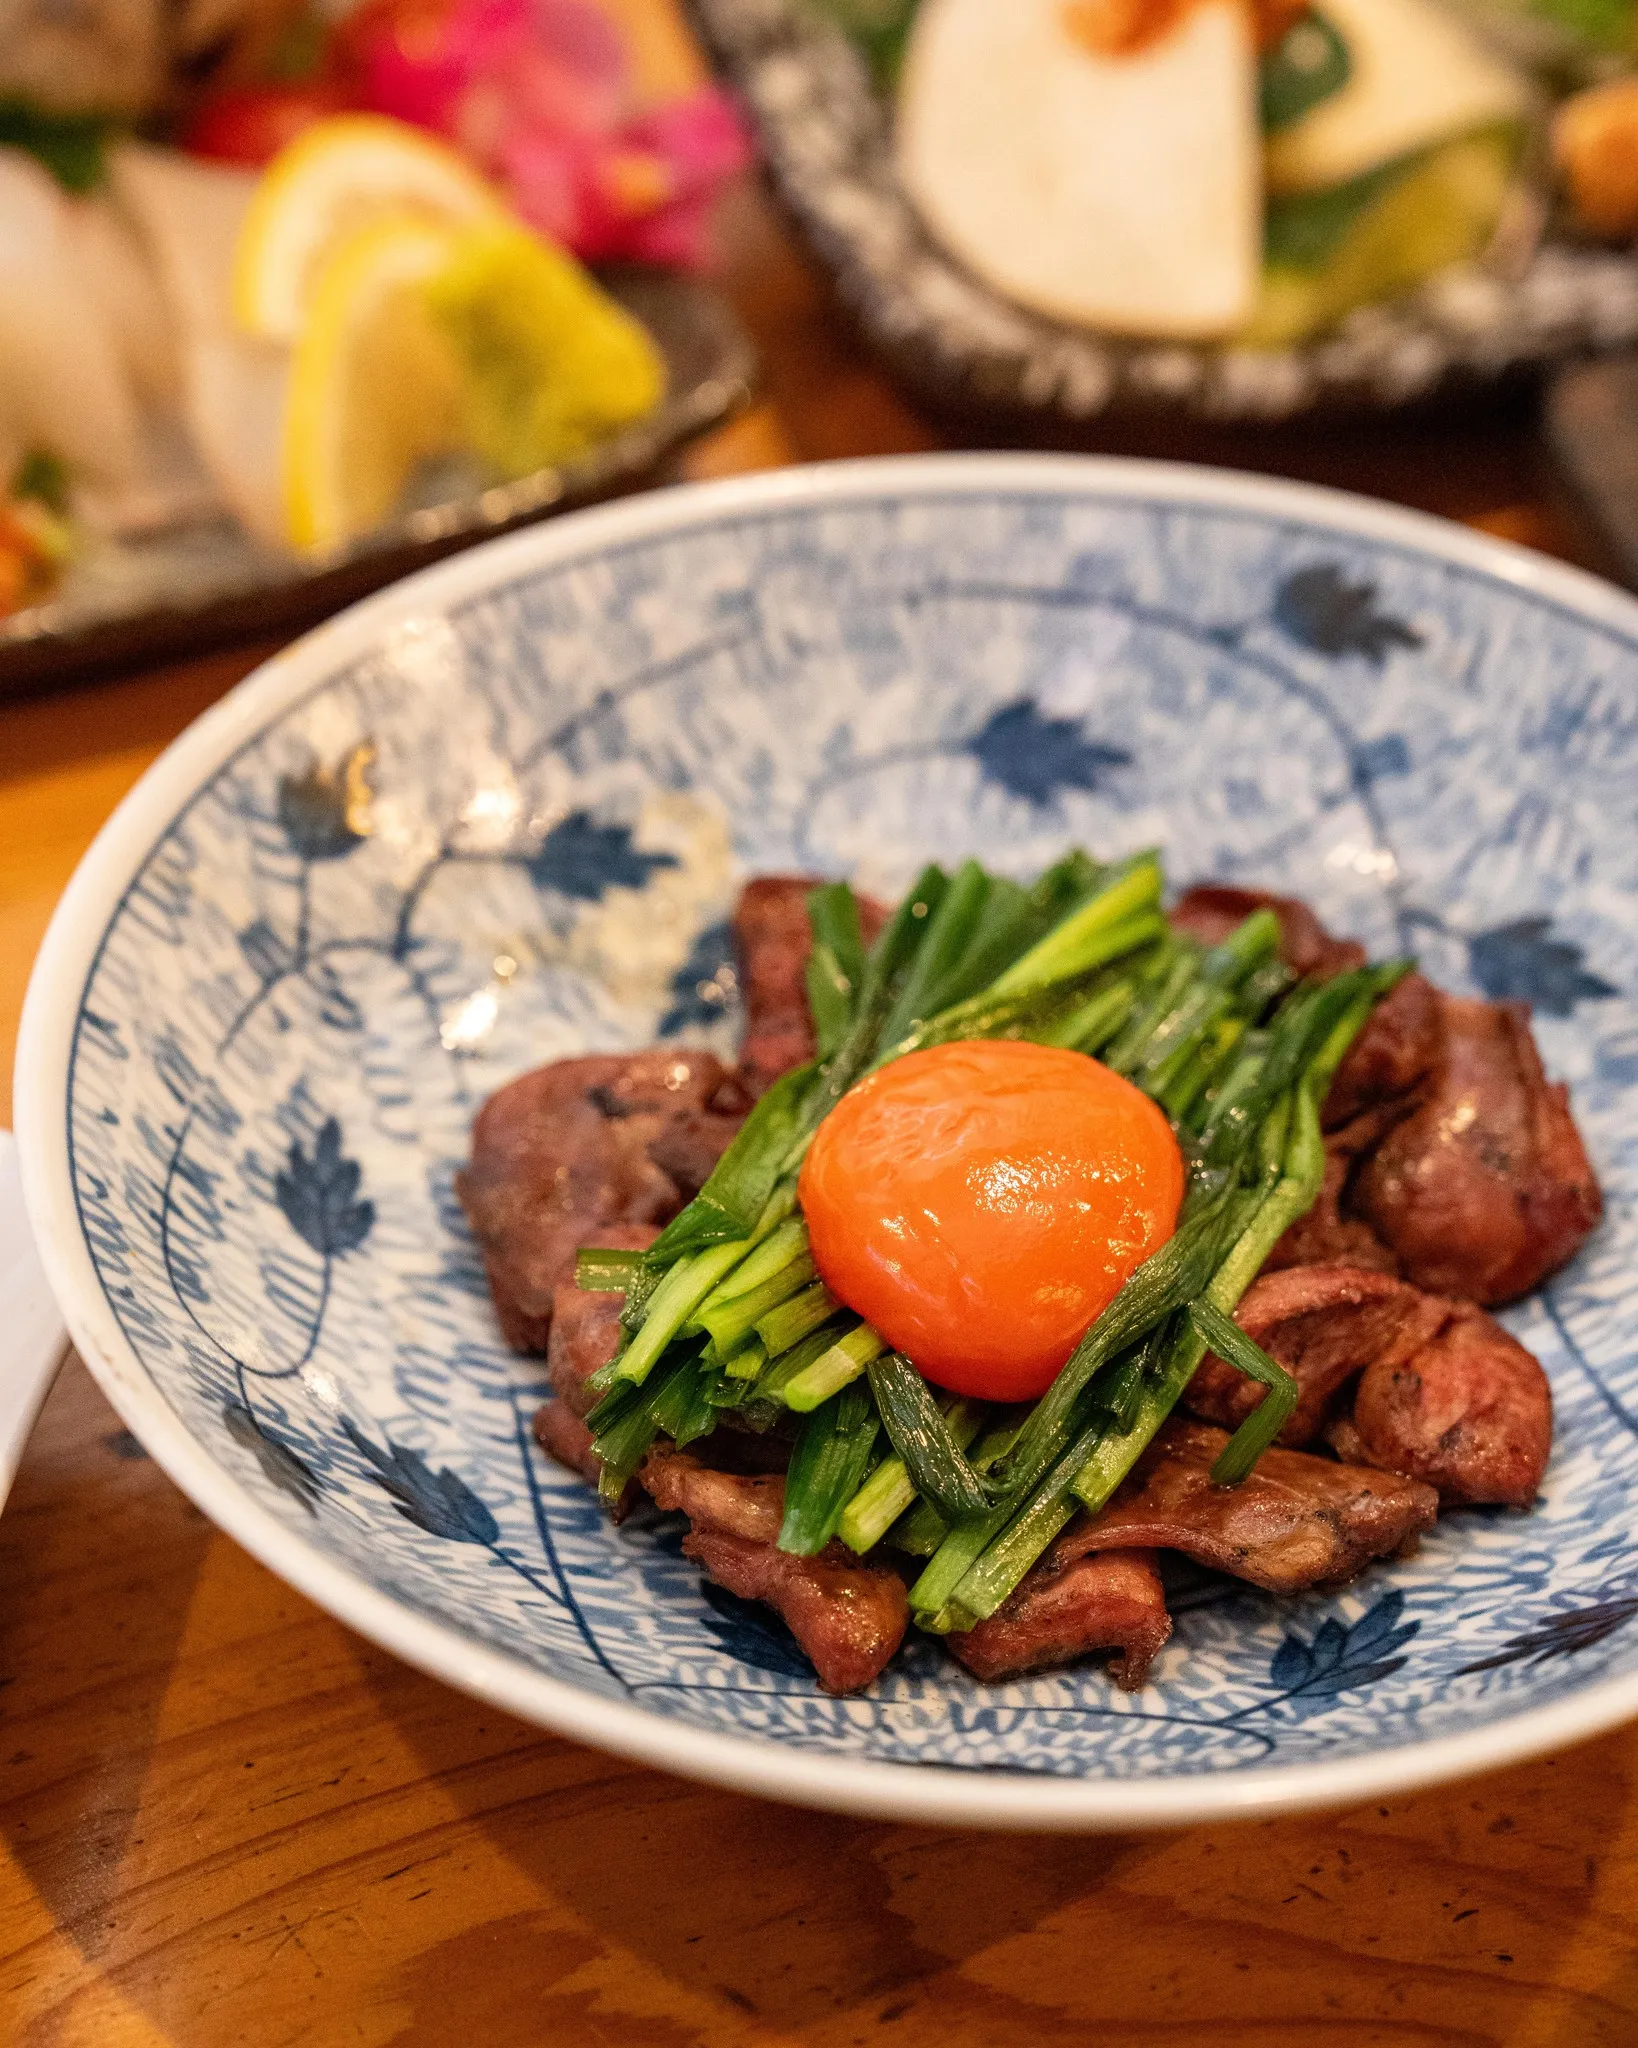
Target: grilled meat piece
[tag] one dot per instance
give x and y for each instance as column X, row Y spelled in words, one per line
column 1485, row 1188
column 689, row 1144
column 1452, row 1161
column 1325, row 1325
column 1211, row 910
column 563, row 1155
column 1065, row 1609
column 1327, row 1236
column 1298, row 1521
column 848, row 1616
column 1468, row 1411
column 563, row 1435
column 747, row 1506
column 1393, row 1055
column 773, row 939
column 1446, row 1397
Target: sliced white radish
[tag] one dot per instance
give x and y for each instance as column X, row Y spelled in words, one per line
column 189, row 215
column 1417, row 76
column 66, row 387
column 118, row 274
column 1118, row 191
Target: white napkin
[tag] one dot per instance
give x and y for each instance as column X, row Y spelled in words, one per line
column 32, row 1337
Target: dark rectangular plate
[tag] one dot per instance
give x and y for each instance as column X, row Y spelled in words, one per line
column 192, row 587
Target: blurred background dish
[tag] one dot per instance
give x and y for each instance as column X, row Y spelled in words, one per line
column 1051, row 216
column 191, row 584
column 283, row 315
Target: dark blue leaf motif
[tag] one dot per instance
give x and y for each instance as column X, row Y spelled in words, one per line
column 109, row 1042
column 1560, row 1635
column 1310, row 1675
column 1319, row 608
column 584, row 860
column 1038, row 758
column 335, row 1006
column 666, row 1532
column 440, row 1503
column 1376, row 760
column 1618, row 1057
column 279, row 1464
column 318, row 1195
column 921, row 1656
column 704, row 985
column 267, row 953
column 1523, row 960
column 751, row 1635
column 326, row 812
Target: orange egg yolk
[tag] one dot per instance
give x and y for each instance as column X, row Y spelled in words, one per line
column 981, row 1204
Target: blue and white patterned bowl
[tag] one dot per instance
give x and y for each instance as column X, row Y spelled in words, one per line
column 497, row 814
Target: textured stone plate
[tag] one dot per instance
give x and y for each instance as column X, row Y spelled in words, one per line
column 497, row 814
column 965, row 350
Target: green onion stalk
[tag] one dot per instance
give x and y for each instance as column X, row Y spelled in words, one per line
column 726, row 1311
column 983, row 1560
column 751, row 1190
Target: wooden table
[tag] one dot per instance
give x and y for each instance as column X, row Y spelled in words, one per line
column 225, row 1820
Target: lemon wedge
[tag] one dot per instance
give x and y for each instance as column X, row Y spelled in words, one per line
column 335, row 179
column 552, row 365
column 376, row 387
column 421, row 339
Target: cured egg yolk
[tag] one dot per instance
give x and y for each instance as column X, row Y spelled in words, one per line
column 982, row 1203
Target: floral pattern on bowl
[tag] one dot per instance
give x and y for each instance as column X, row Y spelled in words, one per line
column 498, row 815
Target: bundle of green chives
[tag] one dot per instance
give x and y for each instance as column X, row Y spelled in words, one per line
column 727, row 1312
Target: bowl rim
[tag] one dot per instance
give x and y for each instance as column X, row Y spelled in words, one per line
column 755, row 1764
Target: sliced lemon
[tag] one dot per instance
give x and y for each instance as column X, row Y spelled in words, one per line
column 422, row 339
column 376, row 386
column 553, row 365
column 336, row 178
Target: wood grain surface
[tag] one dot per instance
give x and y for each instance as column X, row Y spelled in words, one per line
column 225, row 1820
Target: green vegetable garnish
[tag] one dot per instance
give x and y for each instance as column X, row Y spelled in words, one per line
column 1307, row 65
column 727, row 1315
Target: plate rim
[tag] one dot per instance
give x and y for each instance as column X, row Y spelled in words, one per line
column 760, row 1765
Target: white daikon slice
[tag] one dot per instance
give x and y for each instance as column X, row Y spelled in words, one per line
column 189, row 214
column 1117, row 191
column 66, row 388
column 118, row 274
